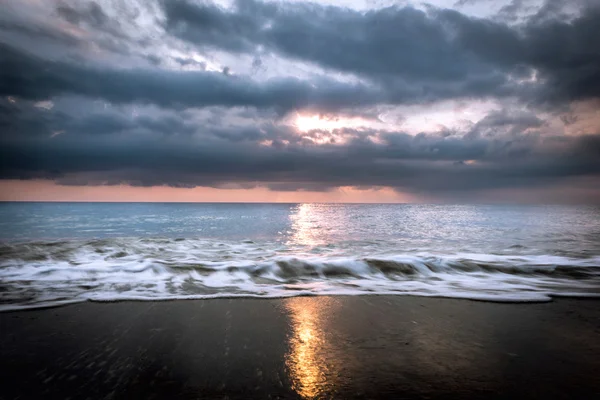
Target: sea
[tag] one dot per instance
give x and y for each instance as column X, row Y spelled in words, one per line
column 60, row 253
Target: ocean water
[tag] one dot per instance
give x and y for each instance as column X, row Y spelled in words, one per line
column 57, row 253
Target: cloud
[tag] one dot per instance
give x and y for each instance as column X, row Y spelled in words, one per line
column 189, row 93
column 411, row 49
column 437, row 50
column 113, row 148
column 92, row 14
column 398, row 55
column 29, row 77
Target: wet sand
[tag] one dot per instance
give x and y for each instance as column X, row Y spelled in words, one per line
column 306, row 347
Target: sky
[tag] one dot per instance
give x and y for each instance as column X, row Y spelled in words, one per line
column 293, row 101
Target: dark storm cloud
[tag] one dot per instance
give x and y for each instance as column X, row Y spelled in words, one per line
column 92, row 13
column 218, row 156
column 509, row 122
column 404, row 55
column 39, row 32
column 222, row 128
column 27, row 119
column 562, row 51
column 453, row 74
column 190, row 61
column 29, row 77
column 26, row 76
column 430, row 48
column 384, row 44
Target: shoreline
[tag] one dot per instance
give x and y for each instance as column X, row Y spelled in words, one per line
column 303, row 347
column 553, row 298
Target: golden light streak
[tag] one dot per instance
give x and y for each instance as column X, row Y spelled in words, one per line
column 309, row 370
column 305, row 226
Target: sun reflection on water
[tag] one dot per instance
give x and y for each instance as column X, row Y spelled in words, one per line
column 306, row 229
column 308, row 368
column 315, row 225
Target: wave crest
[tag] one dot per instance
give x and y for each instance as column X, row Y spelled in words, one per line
column 35, row 274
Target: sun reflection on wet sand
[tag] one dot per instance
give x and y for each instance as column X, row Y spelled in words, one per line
column 309, row 370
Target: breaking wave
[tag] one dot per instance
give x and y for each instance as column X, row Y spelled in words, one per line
column 40, row 274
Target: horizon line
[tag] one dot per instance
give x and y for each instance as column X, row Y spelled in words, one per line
column 300, row 202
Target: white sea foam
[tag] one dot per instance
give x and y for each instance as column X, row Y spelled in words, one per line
column 40, row 274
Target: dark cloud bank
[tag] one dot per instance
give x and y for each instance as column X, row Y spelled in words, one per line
column 123, row 118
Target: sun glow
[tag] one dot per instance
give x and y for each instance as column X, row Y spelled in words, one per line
column 307, row 123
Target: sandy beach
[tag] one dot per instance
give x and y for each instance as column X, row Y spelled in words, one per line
column 303, row 347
